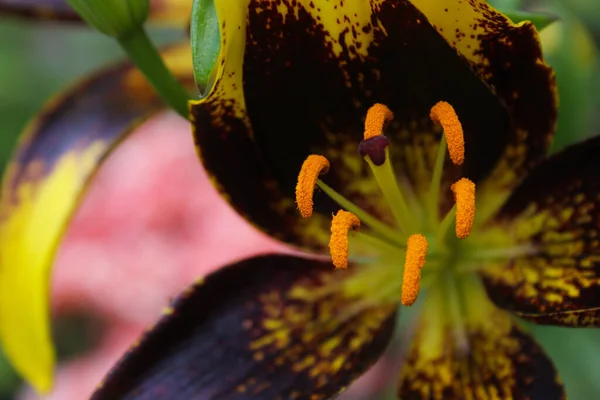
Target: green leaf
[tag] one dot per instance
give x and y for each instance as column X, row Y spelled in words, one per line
column 206, row 43
column 113, row 17
column 570, row 50
column 540, row 20
column 575, row 353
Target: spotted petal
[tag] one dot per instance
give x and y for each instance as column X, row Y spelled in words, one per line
column 55, row 160
column 555, row 215
column 486, row 355
column 169, row 12
column 297, row 77
column 508, row 57
column 266, row 328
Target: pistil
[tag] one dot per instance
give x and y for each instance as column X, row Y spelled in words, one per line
column 374, row 149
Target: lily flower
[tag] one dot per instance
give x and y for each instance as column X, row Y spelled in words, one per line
column 370, row 95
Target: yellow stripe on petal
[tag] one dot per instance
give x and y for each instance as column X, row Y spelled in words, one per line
column 342, row 38
column 226, row 96
column 454, row 18
column 57, row 156
column 29, row 234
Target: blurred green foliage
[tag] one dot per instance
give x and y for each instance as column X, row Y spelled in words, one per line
column 37, row 60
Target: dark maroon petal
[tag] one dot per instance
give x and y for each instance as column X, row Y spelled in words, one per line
column 255, row 330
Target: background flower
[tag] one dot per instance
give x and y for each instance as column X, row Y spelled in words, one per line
column 148, row 226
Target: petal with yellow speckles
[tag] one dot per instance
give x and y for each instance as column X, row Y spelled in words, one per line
column 485, row 356
column 508, row 57
column 263, row 328
column 555, row 212
column 56, row 158
column 168, row 12
column 297, row 77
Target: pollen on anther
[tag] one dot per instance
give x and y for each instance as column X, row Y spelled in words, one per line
column 313, row 166
column 416, row 250
column 444, row 114
column 464, row 196
column 377, row 115
column 342, row 222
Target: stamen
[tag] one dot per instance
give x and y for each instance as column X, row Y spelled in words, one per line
column 342, row 222
column 312, row 167
column 444, row 114
column 464, row 195
column 416, row 250
column 376, row 117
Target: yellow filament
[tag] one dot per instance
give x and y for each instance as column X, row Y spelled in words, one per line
column 342, row 222
column 416, row 250
column 377, row 115
column 444, row 114
column 312, row 167
column 464, row 195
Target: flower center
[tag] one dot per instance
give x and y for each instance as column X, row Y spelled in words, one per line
column 416, row 237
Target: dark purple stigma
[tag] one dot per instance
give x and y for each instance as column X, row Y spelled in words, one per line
column 374, row 148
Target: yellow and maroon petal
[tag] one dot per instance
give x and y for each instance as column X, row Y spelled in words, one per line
column 263, row 328
column 166, row 12
column 295, row 78
column 555, row 216
column 485, row 356
column 508, row 57
column 57, row 157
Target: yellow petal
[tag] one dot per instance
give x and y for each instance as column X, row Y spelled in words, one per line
column 56, row 158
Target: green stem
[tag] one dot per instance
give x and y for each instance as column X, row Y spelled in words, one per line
column 144, row 55
column 457, row 311
column 433, row 197
column 386, row 179
column 377, row 226
column 445, row 226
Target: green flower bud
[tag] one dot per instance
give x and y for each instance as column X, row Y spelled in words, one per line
column 206, row 43
column 117, row 18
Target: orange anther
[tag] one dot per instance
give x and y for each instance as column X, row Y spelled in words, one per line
column 342, row 222
column 444, row 114
column 464, row 195
column 416, row 250
column 377, row 115
column 312, row 167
